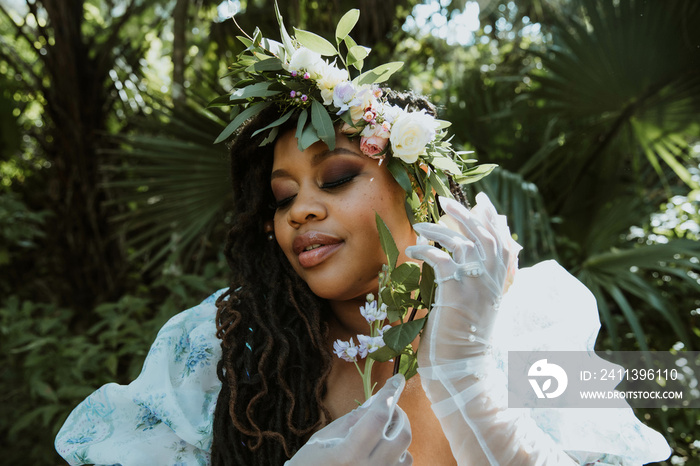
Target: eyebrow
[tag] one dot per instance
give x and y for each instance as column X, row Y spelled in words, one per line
column 317, row 159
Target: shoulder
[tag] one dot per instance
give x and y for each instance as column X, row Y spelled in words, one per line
column 164, row 416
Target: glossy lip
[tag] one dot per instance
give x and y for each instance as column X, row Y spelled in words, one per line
column 329, row 244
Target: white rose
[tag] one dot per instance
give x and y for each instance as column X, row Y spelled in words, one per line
column 327, row 78
column 410, row 133
column 304, row 59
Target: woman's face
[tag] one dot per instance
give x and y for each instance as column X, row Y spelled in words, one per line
column 325, row 217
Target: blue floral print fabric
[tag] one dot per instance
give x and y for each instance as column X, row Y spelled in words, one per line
column 165, row 416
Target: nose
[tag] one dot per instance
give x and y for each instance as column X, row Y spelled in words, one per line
column 307, row 206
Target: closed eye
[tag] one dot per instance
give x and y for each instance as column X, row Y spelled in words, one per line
column 338, row 182
column 282, row 203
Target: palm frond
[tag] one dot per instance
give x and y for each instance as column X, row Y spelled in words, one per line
column 170, row 186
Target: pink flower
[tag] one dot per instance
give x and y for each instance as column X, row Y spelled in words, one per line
column 372, row 146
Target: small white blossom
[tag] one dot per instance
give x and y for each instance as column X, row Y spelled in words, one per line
column 369, row 344
column 346, row 350
column 371, row 313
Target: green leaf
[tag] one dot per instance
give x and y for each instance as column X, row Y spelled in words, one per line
column 378, row 74
column 439, row 185
column 442, row 124
column 409, row 365
column 398, row 337
column 240, row 119
column 300, row 126
column 286, row 39
column 270, row 137
column 357, row 54
column 384, row 354
column 254, row 90
column 308, row 137
column 398, row 170
column 345, row 25
column 475, row 173
column 323, row 123
column 275, row 123
column 268, row 64
column 315, row 42
column 221, row 101
column 406, row 274
column 445, row 163
column 387, row 242
column 427, row 285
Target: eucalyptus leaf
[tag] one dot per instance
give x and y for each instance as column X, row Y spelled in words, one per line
column 257, row 37
column 378, row 74
column 270, row 137
column 300, row 126
column 254, row 90
column 315, row 43
column 445, row 163
column 387, row 242
column 240, row 119
column 357, row 53
column 439, row 185
column 275, row 123
column 308, row 137
column 323, row 124
column 269, row 64
column 401, row 335
column 346, row 24
column 286, row 39
column 221, row 101
column 399, row 172
column 442, row 124
column 474, row 174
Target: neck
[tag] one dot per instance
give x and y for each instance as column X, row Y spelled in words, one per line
column 346, row 320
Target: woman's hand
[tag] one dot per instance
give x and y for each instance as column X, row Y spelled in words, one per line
column 377, row 433
column 453, row 358
column 471, row 278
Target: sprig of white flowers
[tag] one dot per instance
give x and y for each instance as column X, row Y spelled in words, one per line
column 375, row 314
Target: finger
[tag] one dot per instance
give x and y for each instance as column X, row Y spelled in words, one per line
column 393, row 450
column 447, row 238
column 371, row 427
column 471, row 226
column 438, row 259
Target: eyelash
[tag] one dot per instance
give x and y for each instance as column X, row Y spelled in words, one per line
column 333, row 184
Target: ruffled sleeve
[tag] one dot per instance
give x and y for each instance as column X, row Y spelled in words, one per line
column 548, row 309
column 163, row 417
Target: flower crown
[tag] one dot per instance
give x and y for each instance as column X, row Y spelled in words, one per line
column 294, row 76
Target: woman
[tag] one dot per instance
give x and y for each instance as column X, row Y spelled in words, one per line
column 304, row 254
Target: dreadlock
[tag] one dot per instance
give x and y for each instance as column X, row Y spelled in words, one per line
column 273, row 329
column 275, row 361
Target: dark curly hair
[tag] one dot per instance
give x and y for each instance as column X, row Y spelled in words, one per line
column 275, row 355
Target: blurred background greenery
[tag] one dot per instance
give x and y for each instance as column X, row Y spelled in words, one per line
column 114, row 202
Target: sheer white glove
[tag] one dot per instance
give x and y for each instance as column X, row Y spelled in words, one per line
column 454, row 354
column 375, row 434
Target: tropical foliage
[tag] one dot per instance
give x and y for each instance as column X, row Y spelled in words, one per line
column 114, row 201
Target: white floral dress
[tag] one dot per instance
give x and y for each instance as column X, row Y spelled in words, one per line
column 165, row 416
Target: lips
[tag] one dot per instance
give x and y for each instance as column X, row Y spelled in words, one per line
column 314, row 247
